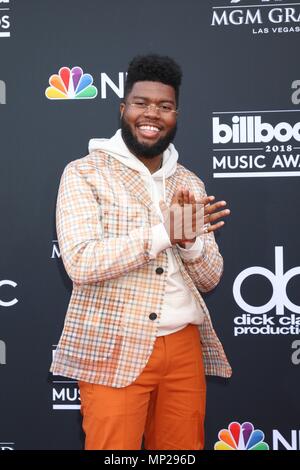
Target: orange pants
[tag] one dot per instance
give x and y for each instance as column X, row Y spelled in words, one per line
column 166, row 403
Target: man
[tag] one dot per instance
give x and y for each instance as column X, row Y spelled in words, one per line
column 138, row 336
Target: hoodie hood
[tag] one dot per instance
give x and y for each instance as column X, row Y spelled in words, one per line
column 117, row 148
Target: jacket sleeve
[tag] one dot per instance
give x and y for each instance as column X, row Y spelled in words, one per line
column 88, row 257
column 207, row 268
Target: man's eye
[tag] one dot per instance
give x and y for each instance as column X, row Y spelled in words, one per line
column 165, row 107
column 139, row 103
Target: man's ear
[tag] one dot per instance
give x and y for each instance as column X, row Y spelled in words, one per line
column 122, row 107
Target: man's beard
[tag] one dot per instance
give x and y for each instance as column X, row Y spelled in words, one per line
column 143, row 150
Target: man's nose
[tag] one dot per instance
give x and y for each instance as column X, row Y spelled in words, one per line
column 152, row 110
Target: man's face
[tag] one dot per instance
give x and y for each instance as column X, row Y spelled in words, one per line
column 148, row 132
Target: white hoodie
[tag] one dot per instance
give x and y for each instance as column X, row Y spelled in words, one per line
column 179, row 307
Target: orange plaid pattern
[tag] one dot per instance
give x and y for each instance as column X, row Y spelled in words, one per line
column 104, row 215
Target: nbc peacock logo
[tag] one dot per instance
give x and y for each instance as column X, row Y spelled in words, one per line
column 71, row 84
column 241, row 437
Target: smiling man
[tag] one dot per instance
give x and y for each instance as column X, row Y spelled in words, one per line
column 138, row 335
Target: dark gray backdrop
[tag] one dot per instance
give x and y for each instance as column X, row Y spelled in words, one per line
column 227, row 68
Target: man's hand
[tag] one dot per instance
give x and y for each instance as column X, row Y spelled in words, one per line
column 186, row 216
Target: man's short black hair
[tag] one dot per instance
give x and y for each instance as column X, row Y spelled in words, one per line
column 153, row 68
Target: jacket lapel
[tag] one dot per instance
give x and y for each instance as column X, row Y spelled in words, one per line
column 171, row 187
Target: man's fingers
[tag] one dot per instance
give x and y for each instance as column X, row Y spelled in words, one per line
column 186, row 196
column 193, row 202
column 206, row 200
column 198, row 212
column 180, row 197
column 209, row 209
column 192, row 198
column 175, row 197
column 214, row 227
column 215, row 216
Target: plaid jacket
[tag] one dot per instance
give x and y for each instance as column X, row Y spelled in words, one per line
column 104, row 244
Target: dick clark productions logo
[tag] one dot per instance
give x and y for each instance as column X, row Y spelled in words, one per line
column 258, row 320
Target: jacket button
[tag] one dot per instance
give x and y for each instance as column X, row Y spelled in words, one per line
column 159, row 270
column 153, row 316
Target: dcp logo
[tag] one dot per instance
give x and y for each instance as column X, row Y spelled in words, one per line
column 279, row 281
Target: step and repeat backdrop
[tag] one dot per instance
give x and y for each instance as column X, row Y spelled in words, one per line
column 239, row 131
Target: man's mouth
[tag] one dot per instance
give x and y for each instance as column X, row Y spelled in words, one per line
column 148, row 130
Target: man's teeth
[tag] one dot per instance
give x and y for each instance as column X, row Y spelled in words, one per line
column 149, row 128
